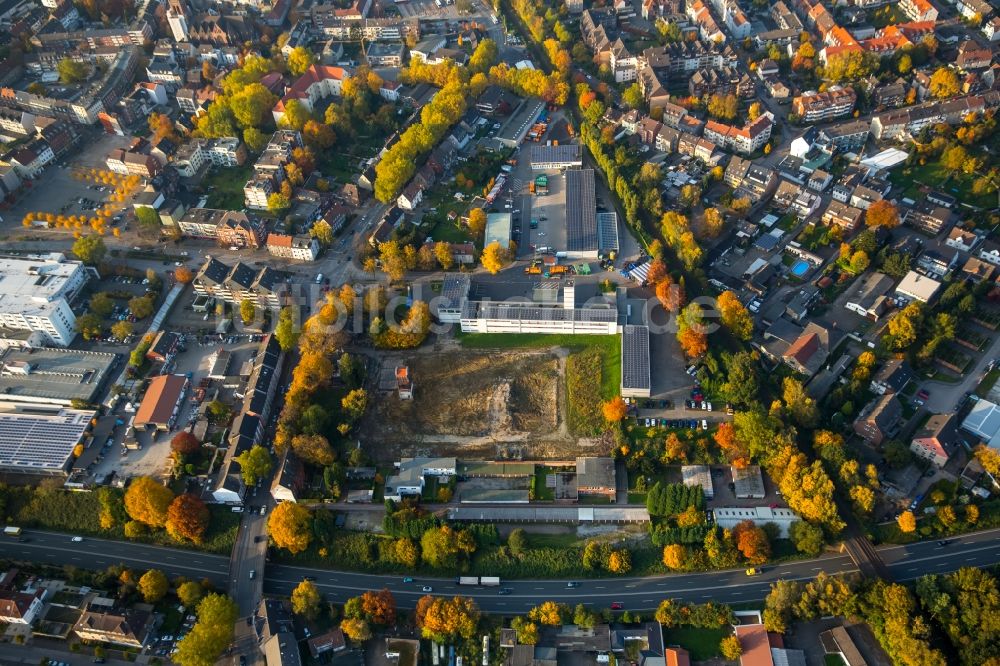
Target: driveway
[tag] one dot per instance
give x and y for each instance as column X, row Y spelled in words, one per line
column 945, row 396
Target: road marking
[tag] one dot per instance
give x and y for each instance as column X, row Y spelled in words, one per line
column 736, row 592
column 971, row 559
column 785, row 573
column 539, row 588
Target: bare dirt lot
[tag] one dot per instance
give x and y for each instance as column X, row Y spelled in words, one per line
column 503, row 404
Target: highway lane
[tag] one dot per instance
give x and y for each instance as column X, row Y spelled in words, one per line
column 59, row 550
column 730, row 586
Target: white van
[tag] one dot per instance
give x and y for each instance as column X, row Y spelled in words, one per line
column 319, row 279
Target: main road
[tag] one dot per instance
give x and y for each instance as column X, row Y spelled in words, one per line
column 908, row 562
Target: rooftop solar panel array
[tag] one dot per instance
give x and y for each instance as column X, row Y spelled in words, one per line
column 581, row 211
column 635, row 357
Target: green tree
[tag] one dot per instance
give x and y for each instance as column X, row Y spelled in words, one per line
column 278, row 203
column 299, row 60
column 807, row 538
column 251, row 106
column 443, row 547
column 189, row 593
column 306, row 599
column 485, row 56
column 90, row 249
column 101, row 304
column 255, row 139
column 141, row 306
column 248, row 310
column 945, row 83
column 255, row 464
column 153, row 585
column 286, row 330
column 633, row 96
column 72, row 71
column 89, row 325
column 296, row 115
column 211, row 634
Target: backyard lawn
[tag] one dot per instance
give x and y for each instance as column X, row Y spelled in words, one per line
column 701, row 643
column 225, row 187
column 936, row 176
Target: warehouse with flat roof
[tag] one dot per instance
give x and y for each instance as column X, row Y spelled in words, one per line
column 53, row 376
column 498, row 228
column 581, row 215
column 635, row 362
column 556, row 157
column 40, row 440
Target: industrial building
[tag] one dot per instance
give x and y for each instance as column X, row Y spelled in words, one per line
column 498, row 229
column 53, row 376
column 161, row 402
column 540, row 317
column 581, row 215
column 635, row 362
column 41, row 440
column 550, row 157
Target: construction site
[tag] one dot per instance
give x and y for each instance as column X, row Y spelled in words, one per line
column 498, row 404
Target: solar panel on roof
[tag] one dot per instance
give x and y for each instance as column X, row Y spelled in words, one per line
column 635, row 357
column 581, row 211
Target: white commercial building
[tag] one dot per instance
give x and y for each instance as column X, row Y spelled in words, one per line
column 730, row 517
column 983, row 421
column 529, row 317
column 35, row 293
column 918, row 287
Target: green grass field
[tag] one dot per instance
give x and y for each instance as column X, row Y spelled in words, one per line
column 934, row 175
column 225, row 187
column 609, row 346
column 701, row 643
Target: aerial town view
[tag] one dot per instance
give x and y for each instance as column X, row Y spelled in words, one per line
column 500, row 332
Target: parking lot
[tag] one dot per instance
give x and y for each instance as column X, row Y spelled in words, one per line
column 57, row 191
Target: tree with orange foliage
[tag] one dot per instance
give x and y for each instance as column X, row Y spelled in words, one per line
column 882, row 213
column 549, row 613
column 290, row 525
column 752, row 542
column 379, row 607
column 691, row 331
column 614, row 410
column 183, row 274
column 188, row 518
column 185, row 443
column 725, row 437
column 444, row 620
column 670, row 294
column 674, row 556
column 657, row 271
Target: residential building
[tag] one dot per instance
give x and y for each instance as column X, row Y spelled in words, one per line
column 410, row 472
column 266, row 287
column 900, row 123
column 820, row 106
column 863, row 197
column 844, row 216
column 892, row 377
column 918, row 10
column 978, row 270
column 624, row 65
column 937, row 440
column 299, row 247
column 20, row 608
column 385, row 54
column 988, row 252
column 927, row 218
column 961, row 239
column 811, row 349
column 595, row 476
column 238, row 230
column 879, row 420
column 972, row 8
column 130, row 162
column 317, row 83
column 35, row 296
column 104, row 624
column 741, row 139
column 972, row 56
column 410, row 197
column 869, row 295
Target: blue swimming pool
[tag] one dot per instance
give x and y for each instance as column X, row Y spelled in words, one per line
column 800, row 268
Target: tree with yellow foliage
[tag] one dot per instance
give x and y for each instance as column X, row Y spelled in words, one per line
column 735, row 315
column 549, row 613
column 494, row 257
column 674, row 556
column 620, row 561
column 907, row 522
column 614, row 410
column 290, row 526
column 444, row 620
column 147, row 501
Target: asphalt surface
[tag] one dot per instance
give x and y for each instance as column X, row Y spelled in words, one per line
column 731, row 586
